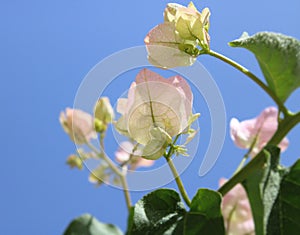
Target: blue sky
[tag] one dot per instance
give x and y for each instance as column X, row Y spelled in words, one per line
column 47, row 47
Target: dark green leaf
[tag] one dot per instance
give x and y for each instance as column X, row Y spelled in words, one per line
column 89, row 225
column 262, row 187
column 162, row 213
column 205, row 216
column 157, row 213
column 279, row 59
column 285, row 214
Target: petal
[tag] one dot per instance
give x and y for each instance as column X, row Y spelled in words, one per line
column 162, row 45
column 146, row 75
column 283, row 144
column 122, row 105
column 205, row 16
column 141, row 162
column 236, row 205
column 124, row 151
column 266, row 123
column 192, row 6
column 79, row 125
column 182, row 84
column 241, row 133
column 170, row 11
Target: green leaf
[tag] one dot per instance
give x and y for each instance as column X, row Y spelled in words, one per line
column 279, row 59
column 262, row 187
column 285, row 214
column 89, row 225
column 157, row 213
column 162, row 213
column 205, row 215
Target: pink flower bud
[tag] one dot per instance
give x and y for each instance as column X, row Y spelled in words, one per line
column 78, row 125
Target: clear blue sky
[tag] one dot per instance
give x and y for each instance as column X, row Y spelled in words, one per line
column 46, row 49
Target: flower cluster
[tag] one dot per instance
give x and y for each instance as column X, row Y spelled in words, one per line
column 156, row 110
column 82, row 128
column 176, row 42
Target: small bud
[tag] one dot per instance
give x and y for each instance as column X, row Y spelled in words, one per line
column 75, row 162
column 104, row 111
column 100, row 126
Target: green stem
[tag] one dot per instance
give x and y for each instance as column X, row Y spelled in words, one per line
column 284, row 128
column 246, row 156
column 244, row 70
column 110, row 163
column 106, row 159
column 178, row 182
column 175, row 173
column 228, row 221
column 126, row 192
column 172, row 147
column 258, row 161
column 240, row 176
column 242, row 163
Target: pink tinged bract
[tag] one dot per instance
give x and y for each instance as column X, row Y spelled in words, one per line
column 126, row 153
column 236, row 211
column 154, row 101
column 78, row 124
column 175, row 42
column 163, row 43
column 259, row 129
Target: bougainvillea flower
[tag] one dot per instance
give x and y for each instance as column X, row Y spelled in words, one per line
column 127, row 154
column 174, row 42
column 78, row 124
column 256, row 132
column 236, row 211
column 156, row 108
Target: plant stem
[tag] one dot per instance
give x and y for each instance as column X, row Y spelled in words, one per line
column 258, row 161
column 110, row 163
column 175, row 173
column 242, row 163
column 126, row 192
column 244, row 70
column 178, row 182
column 240, row 176
column 106, row 159
column 284, row 128
column 246, row 156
